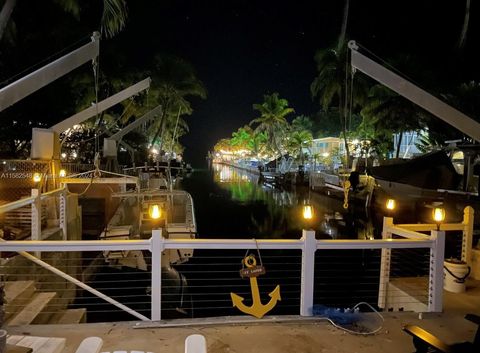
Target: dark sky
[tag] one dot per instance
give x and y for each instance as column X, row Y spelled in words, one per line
column 243, row 49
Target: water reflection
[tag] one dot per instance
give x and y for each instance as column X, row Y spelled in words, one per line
column 280, row 214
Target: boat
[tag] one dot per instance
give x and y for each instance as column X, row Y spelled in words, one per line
column 154, row 204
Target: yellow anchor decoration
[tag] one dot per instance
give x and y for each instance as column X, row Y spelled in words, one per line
column 257, row 309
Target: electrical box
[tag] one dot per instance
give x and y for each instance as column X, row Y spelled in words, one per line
column 45, row 144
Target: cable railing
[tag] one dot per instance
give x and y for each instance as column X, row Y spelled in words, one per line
column 308, row 271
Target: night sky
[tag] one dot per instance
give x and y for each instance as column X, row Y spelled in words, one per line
column 243, row 49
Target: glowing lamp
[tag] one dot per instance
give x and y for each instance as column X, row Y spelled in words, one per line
column 390, row 205
column 62, row 173
column 438, row 215
column 37, row 177
column 307, row 212
column 154, row 212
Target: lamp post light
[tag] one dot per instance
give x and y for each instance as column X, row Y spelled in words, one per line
column 307, row 212
column 154, row 211
column 37, row 177
column 438, row 215
column 390, row 205
column 62, row 173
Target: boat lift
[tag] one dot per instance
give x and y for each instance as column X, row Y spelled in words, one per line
column 420, row 97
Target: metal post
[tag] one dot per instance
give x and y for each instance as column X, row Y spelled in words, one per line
column 36, row 218
column 435, row 282
column 385, row 264
column 308, row 270
column 156, row 250
column 63, row 214
column 467, row 238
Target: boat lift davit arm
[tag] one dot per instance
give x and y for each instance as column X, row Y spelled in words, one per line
column 45, row 142
column 32, row 82
column 422, row 98
column 110, row 143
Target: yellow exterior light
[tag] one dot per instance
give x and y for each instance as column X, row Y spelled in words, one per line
column 37, row 177
column 62, row 173
column 307, row 212
column 438, row 215
column 390, row 205
column 154, row 212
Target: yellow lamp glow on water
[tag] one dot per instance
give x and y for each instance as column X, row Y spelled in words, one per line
column 307, row 212
column 438, row 214
column 37, row 177
column 62, row 173
column 390, row 205
column 154, row 211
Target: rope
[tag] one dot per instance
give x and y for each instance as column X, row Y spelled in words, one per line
column 458, row 279
column 346, row 189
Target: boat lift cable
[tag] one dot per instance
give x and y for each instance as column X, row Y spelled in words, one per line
column 43, row 61
column 95, row 63
column 389, row 66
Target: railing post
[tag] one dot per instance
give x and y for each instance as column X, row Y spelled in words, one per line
column 467, row 237
column 156, row 250
column 385, row 264
column 63, row 213
column 36, row 218
column 308, row 269
column 435, row 282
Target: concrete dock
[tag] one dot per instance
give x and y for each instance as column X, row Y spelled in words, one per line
column 272, row 335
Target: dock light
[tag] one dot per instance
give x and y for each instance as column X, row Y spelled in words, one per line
column 438, row 215
column 154, row 212
column 307, row 212
column 62, row 173
column 37, row 177
column 390, row 205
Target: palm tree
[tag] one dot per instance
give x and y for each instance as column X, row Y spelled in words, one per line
column 302, row 122
column 173, row 80
column 256, row 144
column 114, row 14
column 387, row 110
column 272, row 119
column 329, row 85
column 466, row 19
column 334, row 85
column 297, row 141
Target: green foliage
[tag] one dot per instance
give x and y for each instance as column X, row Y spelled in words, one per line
column 114, row 17
column 272, row 119
column 297, row 141
column 302, row 122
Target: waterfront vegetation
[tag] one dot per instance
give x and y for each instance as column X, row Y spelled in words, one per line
column 365, row 115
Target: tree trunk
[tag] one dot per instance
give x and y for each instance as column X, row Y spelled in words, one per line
column 343, row 30
column 5, row 14
column 162, row 119
column 399, row 144
column 466, row 19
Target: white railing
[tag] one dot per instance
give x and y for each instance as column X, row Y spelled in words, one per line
column 35, row 201
column 308, row 246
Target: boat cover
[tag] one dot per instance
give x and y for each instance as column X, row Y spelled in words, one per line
column 432, row 170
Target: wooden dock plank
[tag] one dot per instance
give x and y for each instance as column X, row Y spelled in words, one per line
column 28, row 314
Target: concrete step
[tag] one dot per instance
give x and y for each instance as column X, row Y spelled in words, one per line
column 70, row 316
column 38, row 344
column 17, row 295
column 38, row 303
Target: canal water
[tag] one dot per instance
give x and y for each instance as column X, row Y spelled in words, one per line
column 231, row 203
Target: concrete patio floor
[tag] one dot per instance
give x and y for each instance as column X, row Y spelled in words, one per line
column 293, row 335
